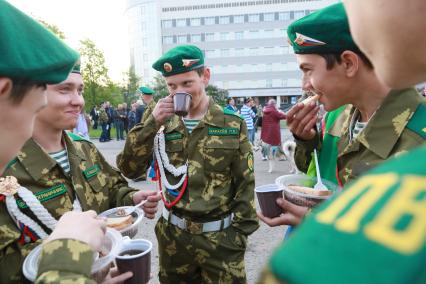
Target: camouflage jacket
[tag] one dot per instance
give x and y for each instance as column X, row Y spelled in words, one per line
column 103, row 116
column 76, row 259
column 220, row 165
column 398, row 125
column 98, row 186
column 148, row 110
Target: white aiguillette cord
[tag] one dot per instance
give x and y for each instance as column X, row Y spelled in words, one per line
column 164, row 163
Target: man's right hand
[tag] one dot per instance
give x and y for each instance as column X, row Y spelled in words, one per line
column 301, row 120
column 163, row 109
column 82, row 226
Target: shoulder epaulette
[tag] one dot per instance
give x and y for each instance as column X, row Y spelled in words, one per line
column 76, row 137
column 417, row 122
column 230, row 112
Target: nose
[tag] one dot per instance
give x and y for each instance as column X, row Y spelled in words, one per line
column 77, row 98
column 306, row 84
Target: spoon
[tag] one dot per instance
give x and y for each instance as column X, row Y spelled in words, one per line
column 319, row 185
column 127, row 210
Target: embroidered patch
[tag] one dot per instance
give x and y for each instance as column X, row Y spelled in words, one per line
column 91, row 172
column 223, row 131
column 45, row 195
column 250, row 162
column 173, row 136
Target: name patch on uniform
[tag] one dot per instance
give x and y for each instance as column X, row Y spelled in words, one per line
column 223, row 131
column 92, row 171
column 45, row 195
column 173, row 136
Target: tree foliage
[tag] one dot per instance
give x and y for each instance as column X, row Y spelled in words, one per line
column 53, row 28
column 160, row 87
column 131, row 85
column 218, row 95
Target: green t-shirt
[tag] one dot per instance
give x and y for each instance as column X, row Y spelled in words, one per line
column 373, row 232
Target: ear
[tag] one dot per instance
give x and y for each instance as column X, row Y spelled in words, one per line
column 206, row 76
column 5, row 88
column 350, row 62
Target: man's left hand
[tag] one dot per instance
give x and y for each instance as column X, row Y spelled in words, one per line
column 151, row 206
column 292, row 214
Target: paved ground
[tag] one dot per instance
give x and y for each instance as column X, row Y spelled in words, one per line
column 260, row 244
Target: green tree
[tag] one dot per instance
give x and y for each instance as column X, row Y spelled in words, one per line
column 131, row 85
column 218, row 95
column 160, row 87
column 97, row 84
column 53, row 28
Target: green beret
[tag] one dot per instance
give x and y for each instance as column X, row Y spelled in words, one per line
column 146, row 90
column 324, row 31
column 30, row 51
column 181, row 59
column 76, row 68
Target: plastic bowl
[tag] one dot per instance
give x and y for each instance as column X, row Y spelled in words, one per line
column 101, row 265
column 303, row 199
column 131, row 230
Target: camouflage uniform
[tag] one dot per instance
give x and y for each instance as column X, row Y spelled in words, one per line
column 75, row 256
column 98, row 186
column 398, row 125
column 148, row 110
column 220, row 182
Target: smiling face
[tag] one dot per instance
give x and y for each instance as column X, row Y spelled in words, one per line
column 332, row 85
column 17, row 119
column 391, row 34
column 190, row 82
column 64, row 104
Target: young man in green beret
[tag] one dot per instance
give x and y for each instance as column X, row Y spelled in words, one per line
column 148, row 100
column 64, row 172
column 379, row 220
column 378, row 122
column 205, row 163
column 36, row 58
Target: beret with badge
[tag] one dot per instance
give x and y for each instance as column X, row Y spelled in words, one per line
column 324, row 31
column 146, row 91
column 180, row 59
column 29, row 51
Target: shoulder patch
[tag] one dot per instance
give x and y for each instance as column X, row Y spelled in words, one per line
column 230, row 112
column 76, row 137
column 417, row 122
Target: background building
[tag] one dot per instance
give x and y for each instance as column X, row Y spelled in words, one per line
column 245, row 42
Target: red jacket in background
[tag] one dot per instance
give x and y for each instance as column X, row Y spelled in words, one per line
column 271, row 133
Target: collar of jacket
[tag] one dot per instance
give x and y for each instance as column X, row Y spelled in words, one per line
column 37, row 162
column 386, row 126
column 213, row 117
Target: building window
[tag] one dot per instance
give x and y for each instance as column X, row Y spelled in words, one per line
column 239, row 35
column 209, row 37
column 284, row 16
column 240, row 52
column 196, row 38
column 182, row 39
column 253, row 18
column 195, row 22
column 224, row 36
column 268, row 83
column 238, row 19
column 167, row 24
column 269, row 17
column 224, row 53
column 209, row 21
column 253, row 34
column 181, row 22
column 168, row 39
column 210, row 53
column 268, row 33
column 299, row 14
column 254, row 51
column 223, row 20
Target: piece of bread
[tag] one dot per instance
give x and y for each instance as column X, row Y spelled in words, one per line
column 309, row 190
column 120, row 223
column 310, row 99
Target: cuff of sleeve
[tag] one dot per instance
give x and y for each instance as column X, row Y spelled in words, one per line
column 309, row 145
column 66, row 255
column 128, row 199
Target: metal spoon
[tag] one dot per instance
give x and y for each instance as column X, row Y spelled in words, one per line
column 126, row 210
column 319, row 185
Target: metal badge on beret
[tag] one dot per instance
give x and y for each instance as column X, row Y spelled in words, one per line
column 189, row 62
column 168, row 67
column 303, row 40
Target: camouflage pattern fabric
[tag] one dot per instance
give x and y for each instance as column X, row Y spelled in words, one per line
column 220, row 173
column 148, row 110
column 103, row 116
column 387, row 134
column 76, row 257
column 98, row 186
